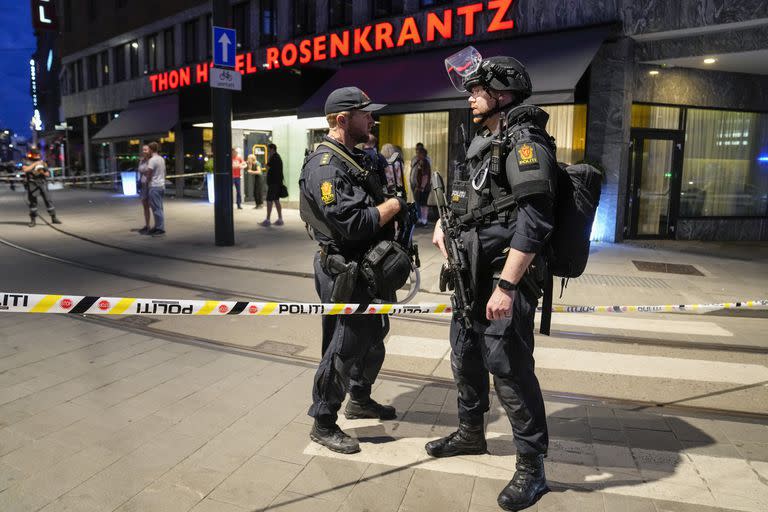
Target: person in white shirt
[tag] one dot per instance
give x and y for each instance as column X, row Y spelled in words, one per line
column 156, row 181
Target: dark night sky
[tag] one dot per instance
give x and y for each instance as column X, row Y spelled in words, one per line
column 17, row 43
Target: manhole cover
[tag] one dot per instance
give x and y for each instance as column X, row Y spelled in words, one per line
column 139, row 321
column 666, row 268
column 279, row 348
column 622, row 281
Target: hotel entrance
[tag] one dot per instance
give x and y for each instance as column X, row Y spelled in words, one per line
column 653, row 198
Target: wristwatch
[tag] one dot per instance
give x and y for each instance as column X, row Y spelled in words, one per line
column 506, row 285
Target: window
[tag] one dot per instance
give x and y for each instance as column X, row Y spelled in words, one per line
column 190, row 41
column 133, row 52
column 430, row 128
column 303, row 17
column 386, row 8
column 209, row 36
column 104, row 68
column 339, row 13
column 150, row 50
column 119, row 63
column 241, row 21
column 653, row 116
column 169, row 49
column 71, row 79
column 725, row 164
column 92, row 72
column 268, row 22
column 568, row 125
column 79, row 75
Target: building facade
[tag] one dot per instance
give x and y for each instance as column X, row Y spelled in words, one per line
column 669, row 99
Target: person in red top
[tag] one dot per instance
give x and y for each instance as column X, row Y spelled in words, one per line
column 238, row 164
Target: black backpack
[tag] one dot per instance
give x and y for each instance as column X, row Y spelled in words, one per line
column 578, row 194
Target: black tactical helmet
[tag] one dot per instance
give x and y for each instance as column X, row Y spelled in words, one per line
column 502, row 74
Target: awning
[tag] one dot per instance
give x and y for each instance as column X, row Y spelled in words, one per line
column 143, row 119
column 418, row 82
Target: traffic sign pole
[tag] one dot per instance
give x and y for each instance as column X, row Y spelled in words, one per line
column 221, row 110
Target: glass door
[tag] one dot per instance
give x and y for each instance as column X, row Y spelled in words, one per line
column 654, row 185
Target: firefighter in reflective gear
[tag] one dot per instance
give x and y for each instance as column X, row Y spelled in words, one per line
column 338, row 200
column 511, row 154
column 36, row 176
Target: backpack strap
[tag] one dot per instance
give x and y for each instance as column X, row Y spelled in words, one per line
column 546, row 305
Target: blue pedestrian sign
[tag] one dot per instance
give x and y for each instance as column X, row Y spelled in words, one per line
column 224, row 47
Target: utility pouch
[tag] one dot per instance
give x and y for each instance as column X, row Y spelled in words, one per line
column 460, row 197
column 386, row 268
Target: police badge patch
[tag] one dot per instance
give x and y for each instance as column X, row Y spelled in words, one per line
column 527, row 159
column 326, row 193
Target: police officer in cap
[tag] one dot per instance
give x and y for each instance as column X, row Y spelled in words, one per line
column 341, row 200
column 502, row 247
column 36, row 176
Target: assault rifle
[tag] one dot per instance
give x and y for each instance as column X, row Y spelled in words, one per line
column 456, row 271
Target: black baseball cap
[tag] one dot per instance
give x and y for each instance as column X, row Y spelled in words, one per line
column 349, row 98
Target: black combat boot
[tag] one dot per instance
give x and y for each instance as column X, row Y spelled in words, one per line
column 527, row 486
column 333, row 438
column 32, row 222
column 369, row 409
column 468, row 440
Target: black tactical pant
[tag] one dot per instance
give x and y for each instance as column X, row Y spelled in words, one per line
column 353, row 352
column 505, row 349
column 33, row 190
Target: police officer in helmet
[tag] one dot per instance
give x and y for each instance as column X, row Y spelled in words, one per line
column 36, row 176
column 503, row 248
column 343, row 202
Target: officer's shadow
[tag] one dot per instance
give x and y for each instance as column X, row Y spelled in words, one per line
column 591, row 448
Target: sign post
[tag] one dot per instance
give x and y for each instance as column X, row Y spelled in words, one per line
column 64, row 155
column 224, row 45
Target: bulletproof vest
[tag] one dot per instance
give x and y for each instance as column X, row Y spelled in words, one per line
column 363, row 174
column 484, row 181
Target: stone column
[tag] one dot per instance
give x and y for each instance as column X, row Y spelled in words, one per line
column 179, row 158
column 87, row 151
column 113, row 164
column 608, row 128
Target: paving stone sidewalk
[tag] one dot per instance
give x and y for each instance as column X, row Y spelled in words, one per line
column 94, row 418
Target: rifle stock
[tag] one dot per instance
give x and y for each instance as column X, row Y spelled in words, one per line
column 455, row 272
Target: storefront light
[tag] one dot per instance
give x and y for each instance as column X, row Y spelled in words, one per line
column 763, row 159
column 710, row 60
column 653, row 72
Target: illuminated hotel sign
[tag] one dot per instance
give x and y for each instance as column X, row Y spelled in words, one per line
column 44, row 15
column 373, row 38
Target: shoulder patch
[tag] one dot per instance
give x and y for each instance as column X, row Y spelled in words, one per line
column 527, row 157
column 326, row 193
column 325, row 159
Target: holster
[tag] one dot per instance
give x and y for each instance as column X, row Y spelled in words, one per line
column 344, row 275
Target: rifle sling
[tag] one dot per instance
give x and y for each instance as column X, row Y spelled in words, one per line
column 500, row 205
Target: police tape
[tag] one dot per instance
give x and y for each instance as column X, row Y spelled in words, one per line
column 90, row 179
column 95, row 305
